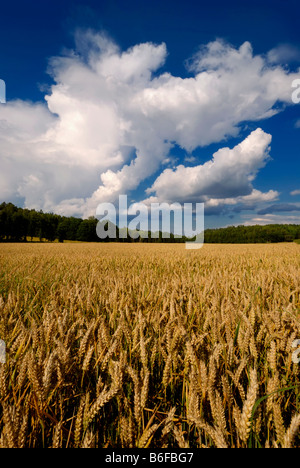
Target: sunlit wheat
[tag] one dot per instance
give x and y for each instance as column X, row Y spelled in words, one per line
column 136, row 345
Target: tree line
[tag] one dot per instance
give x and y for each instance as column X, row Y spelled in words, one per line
column 21, row 225
column 253, row 234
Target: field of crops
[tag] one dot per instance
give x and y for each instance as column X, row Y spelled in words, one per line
column 135, row 345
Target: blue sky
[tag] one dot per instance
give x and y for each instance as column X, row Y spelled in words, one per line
column 162, row 100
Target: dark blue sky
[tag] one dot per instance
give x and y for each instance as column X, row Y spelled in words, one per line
column 32, row 32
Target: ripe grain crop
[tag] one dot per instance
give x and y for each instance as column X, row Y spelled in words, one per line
column 136, row 345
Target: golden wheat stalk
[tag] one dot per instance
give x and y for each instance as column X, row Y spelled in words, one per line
column 292, row 431
column 245, row 419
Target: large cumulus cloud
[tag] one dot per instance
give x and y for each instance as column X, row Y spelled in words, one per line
column 111, row 118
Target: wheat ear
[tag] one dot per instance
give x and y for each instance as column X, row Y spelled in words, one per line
column 245, row 421
column 291, row 432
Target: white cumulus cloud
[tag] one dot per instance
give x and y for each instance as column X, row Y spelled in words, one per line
column 228, row 175
column 294, row 193
column 111, row 119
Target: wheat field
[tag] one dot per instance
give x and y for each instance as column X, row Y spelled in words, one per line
column 136, row 345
